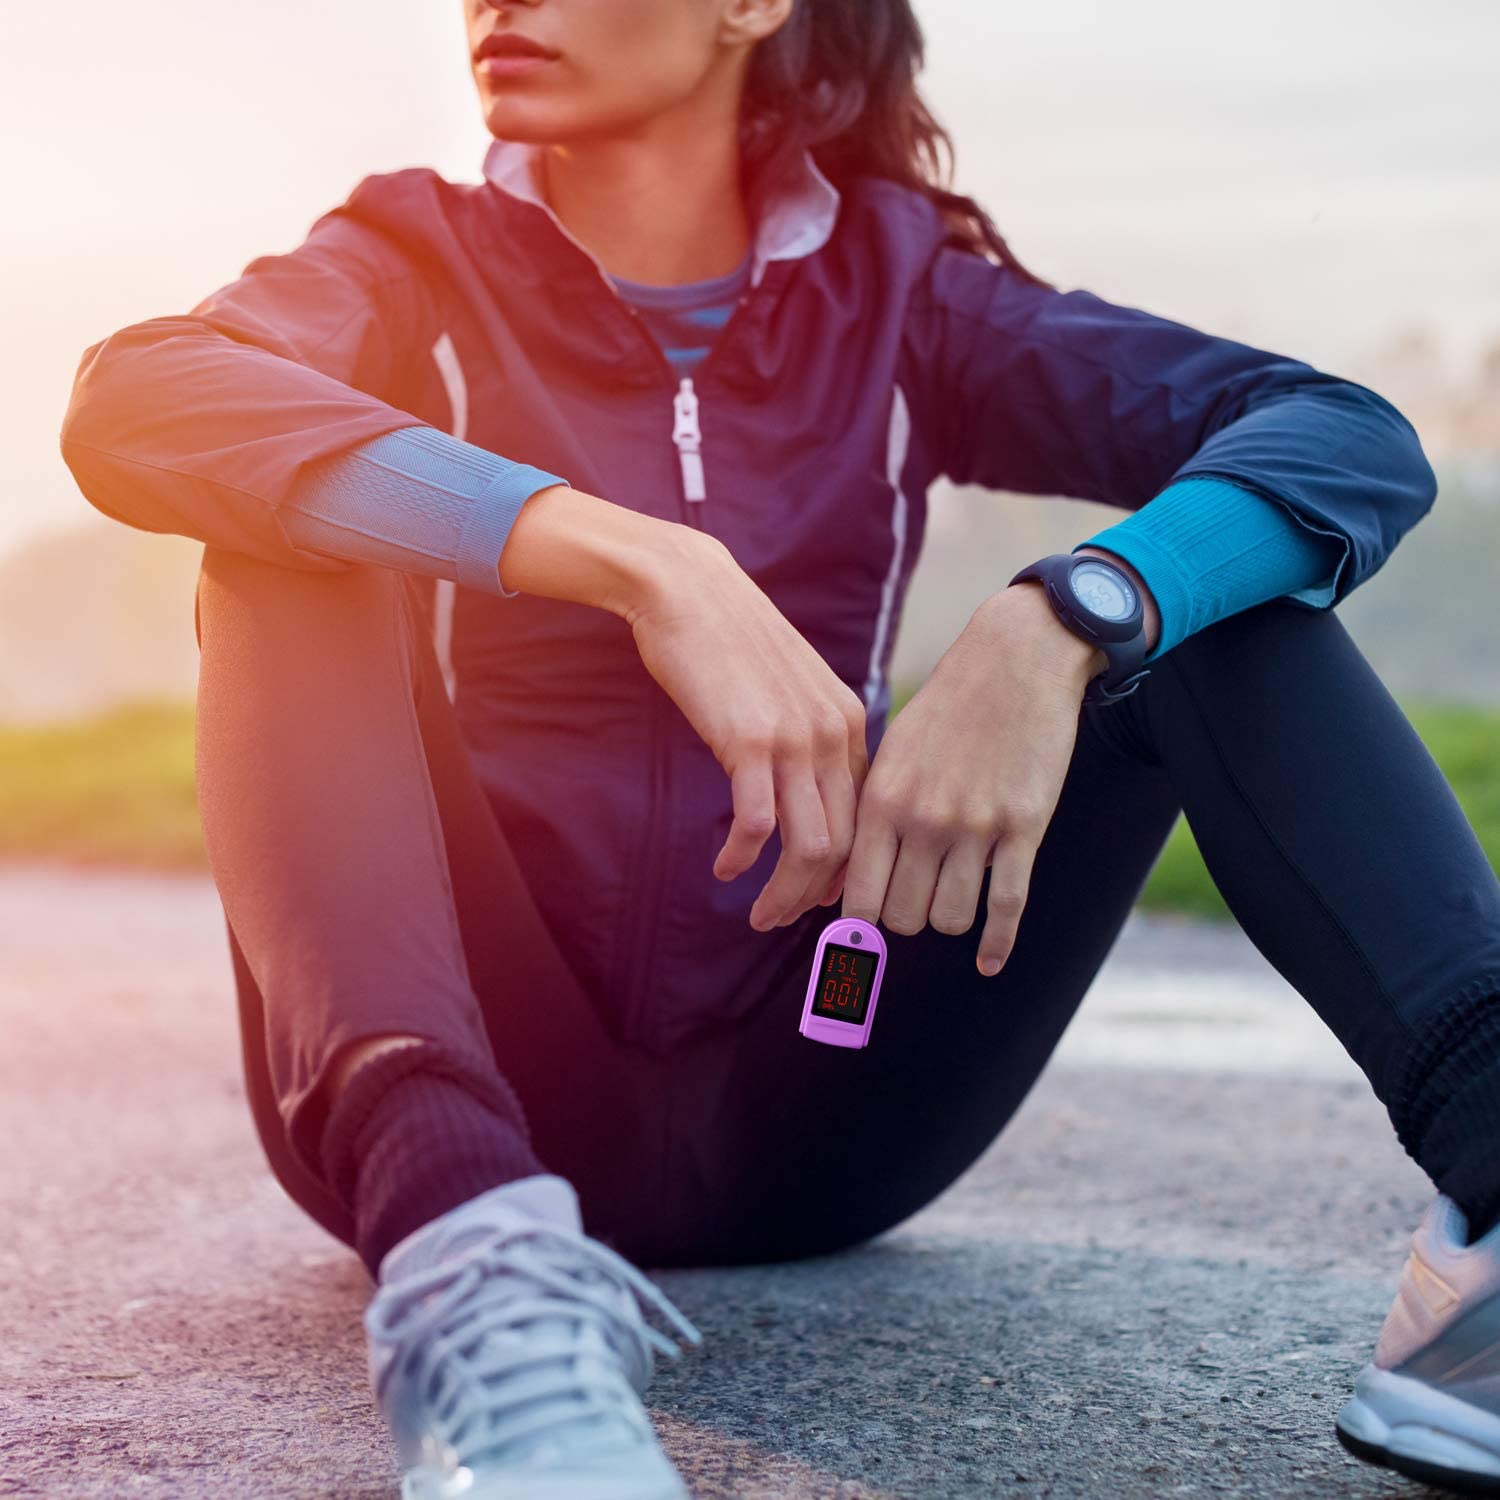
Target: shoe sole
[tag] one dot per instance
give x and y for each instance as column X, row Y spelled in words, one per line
column 425, row 1484
column 1419, row 1431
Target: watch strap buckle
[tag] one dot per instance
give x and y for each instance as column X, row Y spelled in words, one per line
column 1098, row 691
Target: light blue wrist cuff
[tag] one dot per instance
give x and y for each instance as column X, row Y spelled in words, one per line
column 417, row 499
column 491, row 517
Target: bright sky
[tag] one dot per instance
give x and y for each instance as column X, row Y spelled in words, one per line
column 1309, row 175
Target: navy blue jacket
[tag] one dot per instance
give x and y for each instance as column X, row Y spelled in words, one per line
column 870, row 357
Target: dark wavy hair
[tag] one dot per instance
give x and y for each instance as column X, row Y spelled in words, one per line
column 839, row 78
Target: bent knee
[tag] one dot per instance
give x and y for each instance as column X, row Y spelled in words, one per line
column 239, row 596
column 226, row 574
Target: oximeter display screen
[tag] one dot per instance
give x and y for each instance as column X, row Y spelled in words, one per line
column 843, row 992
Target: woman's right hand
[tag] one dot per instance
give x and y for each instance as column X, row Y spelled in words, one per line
column 787, row 730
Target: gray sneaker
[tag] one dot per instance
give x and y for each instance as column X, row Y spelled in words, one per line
column 508, row 1355
column 1428, row 1404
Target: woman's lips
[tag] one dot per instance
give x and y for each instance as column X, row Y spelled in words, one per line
column 513, row 64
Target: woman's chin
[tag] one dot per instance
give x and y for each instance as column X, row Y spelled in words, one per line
column 511, row 118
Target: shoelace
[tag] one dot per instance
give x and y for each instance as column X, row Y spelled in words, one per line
column 461, row 1309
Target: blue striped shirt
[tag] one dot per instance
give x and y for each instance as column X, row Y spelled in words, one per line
column 685, row 319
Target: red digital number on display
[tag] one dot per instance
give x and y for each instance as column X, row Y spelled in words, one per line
column 841, row 988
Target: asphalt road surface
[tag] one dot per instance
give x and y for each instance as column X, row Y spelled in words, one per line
column 1160, row 1281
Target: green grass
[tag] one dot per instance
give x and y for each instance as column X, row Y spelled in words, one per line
column 112, row 789
column 117, row 789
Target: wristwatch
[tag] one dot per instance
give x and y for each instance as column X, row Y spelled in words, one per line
column 1097, row 602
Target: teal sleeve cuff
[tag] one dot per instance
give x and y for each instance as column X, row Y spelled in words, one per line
column 1208, row 549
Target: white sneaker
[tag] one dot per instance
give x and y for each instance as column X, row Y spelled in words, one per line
column 508, row 1355
column 1428, row 1403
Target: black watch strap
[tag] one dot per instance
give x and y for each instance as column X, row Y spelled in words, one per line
column 1123, row 645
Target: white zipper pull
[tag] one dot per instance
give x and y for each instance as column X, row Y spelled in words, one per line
column 689, row 440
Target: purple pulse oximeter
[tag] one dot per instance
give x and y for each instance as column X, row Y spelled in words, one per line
column 845, row 983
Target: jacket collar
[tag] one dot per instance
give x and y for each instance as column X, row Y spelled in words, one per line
column 797, row 217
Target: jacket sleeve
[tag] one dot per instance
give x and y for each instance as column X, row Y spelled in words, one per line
column 200, row 424
column 1029, row 389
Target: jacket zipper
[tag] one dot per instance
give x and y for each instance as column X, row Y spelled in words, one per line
column 640, row 938
column 687, row 433
column 688, row 437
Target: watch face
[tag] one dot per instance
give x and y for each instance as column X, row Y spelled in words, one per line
column 1104, row 590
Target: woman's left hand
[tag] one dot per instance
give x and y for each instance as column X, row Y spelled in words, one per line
column 968, row 775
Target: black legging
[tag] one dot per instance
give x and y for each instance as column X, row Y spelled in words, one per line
column 332, row 778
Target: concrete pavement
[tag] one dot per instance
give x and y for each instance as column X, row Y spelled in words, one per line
column 1161, row 1280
